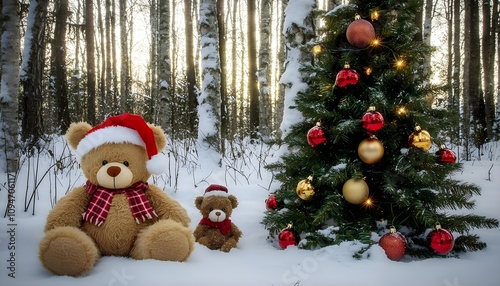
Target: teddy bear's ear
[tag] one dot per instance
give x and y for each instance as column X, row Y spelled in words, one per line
column 76, row 132
column 160, row 137
column 234, row 201
column 197, row 202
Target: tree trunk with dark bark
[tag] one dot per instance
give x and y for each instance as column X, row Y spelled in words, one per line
column 91, row 70
column 58, row 67
column 32, row 74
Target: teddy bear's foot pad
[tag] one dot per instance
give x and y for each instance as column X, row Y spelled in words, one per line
column 166, row 240
column 68, row 251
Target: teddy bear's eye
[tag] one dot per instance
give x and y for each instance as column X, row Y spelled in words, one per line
column 224, row 209
column 104, row 162
column 211, row 209
column 125, row 163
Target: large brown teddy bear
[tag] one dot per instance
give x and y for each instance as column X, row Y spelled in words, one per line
column 117, row 212
column 215, row 230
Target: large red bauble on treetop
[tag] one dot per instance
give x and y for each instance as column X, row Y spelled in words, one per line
column 316, row 135
column 288, row 236
column 360, row 33
column 394, row 244
column 347, row 76
column 441, row 240
column 372, row 121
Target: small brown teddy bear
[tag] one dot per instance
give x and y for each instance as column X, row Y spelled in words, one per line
column 117, row 212
column 215, row 230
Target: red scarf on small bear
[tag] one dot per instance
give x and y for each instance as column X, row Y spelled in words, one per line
column 223, row 226
column 99, row 206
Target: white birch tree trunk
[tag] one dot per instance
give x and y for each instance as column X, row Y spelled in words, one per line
column 9, row 93
column 426, row 35
column 163, row 65
column 265, row 114
column 281, row 58
column 9, row 90
column 209, row 101
column 298, row 30
column 152, row 113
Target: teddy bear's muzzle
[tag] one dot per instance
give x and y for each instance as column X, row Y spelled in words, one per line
column 114, row 176
column 217, row 215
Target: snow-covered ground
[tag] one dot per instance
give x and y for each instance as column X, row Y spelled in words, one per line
column 255, row 261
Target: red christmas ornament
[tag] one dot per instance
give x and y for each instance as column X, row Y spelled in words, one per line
column 360, row 33
column 316, row 135
column 347, row 76
column 288, row 236
column 394, row 244
column 441, row 240
column 446, row 155
column 372, row 121
column 272, row 203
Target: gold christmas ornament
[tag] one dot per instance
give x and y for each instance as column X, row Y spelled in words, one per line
column 420, row 139
column 317, row 49
column 370, row 150
column 355, row 191
column 305, row 190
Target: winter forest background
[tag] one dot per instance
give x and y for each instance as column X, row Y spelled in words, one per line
column 218, row 76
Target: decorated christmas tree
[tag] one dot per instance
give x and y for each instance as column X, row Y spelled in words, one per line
column 369, row 155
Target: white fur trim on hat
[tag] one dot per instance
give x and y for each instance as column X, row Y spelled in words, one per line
column 119, row 134
column 111, row 134
column 216, row 193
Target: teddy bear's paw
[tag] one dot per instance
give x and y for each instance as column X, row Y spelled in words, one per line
column 230, row 244
column 68, row 251
column 165, row 240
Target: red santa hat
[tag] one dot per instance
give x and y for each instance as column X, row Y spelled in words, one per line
column 216, row 190
column 125, row 128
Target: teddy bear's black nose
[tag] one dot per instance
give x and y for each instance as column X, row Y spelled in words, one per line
column 217, row 213
column 113, row 171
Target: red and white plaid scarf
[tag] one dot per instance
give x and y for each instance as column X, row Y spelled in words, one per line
column 99, row 206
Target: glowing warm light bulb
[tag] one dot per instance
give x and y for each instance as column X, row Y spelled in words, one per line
column 317, row 49
column 368, row 71
column 368, row 203
column 401, row 111
column 400, row 63
column 375, row 42
column 374, row 15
